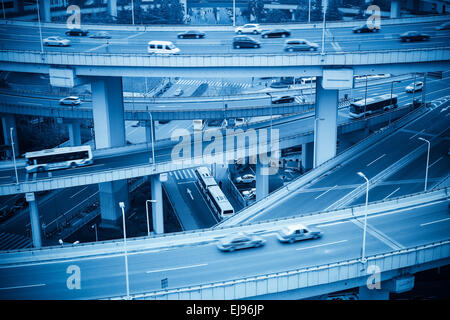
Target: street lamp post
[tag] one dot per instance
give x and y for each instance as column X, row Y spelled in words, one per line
column 3, row 7
column 324, row 9
column 146, row 210
column 122, row 206
column 132, row 12
column 428, row 160
column 268, row 93
column 392, row 89
column 40, row 29
column 414, row 89
column 309, row 11
column 365, row 99
column 363, row 256
column 14, row 154
column 94, row 226
column 315, row 140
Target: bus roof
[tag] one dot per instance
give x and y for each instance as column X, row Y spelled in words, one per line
column 217, row 193
column 53, row 151
column 374, row 99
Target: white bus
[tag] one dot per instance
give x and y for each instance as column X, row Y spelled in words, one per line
column 58, row 158
column 372, row 105
column 219, row 202
column 205, row 178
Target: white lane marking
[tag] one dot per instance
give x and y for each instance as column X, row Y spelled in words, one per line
column 425, row 224
column 325, row 192
column 5, row 177
column 97, row 47
column 417, row 134
column 321, row 245
column 74, row 207
column 369, row 164
column 178, row 268
column 434, row 162
column 20, row 287
column 390, row 194
column 75, row 194
column 95, row 165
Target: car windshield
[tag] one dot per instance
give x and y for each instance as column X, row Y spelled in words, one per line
column 171, row 46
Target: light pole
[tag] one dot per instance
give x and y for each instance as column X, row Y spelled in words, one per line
column 39, row 23
column 315, row 140
column 234, row 13
column 414, row 90
column 151, row 133
column 268, row 93
column 3, row 7
column 132, row 12
column 324, row 9
column 363, row 256
column 365, row 99
column 94, row 226
column 392, row 89
column 14, row 153
column 146, row 210
column 122, row 206
column 428, row 159
column 309, row 11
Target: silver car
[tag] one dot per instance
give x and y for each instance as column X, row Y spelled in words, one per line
column 300, row 45
column 238, row 241
column 298, row 232
column 70, row 101
column 246, row 178
column 56, row 41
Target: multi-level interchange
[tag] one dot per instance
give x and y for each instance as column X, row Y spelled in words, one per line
column 355, row 123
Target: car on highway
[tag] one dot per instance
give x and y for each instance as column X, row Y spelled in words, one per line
column 283, row 99
column 249, row 28
column 298, row 232
column 77, row 32
column 444, row 26
column 275, row 33
column 178, row 92
column 240, row 122
column 56, row 41
column 279, row 85
column 241, row 240
column 245, row 42
column 414, row 36
column 365, row 29
column 249, row 194
column 162, row 47
column 100, row 35
column 70, row 101
column 246, row 178
column 411, row 88
column 300, row 45
column 191, row 34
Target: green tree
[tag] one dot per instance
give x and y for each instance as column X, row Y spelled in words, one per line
column 256, row 10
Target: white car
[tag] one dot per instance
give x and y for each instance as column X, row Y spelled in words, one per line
column 298, row 232
column 248, row 28
column 249, row 194
column 56, row 41
column 246, row 178
column 178, row 92
column 410, row 88
column 70, row 101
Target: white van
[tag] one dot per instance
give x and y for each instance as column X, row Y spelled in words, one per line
column 198, row 124
column 162, row 47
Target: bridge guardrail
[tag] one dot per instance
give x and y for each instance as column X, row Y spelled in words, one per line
column 208, row 235
column 258, row 285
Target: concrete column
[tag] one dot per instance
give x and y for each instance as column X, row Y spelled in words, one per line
column 325, row 135
column 34, row 220
column 111, row 193
column 44, row 11
column 18, row 6
column 395, row 9
column 112, row 8
column 307, row 155
column 8, row 122
column 157, row 207
column 373, row 294
column 262, row 180
column 109, row 127
column 74, row 132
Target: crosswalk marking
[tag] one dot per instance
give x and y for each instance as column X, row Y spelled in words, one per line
column 184, row 174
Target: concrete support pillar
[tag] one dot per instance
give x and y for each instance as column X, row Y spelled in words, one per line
column 44, row 11
column 8, row 122
column 112, row 8
column 395, row 9
column 34, row 220
column 373, row 294
column 74, row 132
column 262, row 180
column 157, row 207
column 18, row 6
column 325, row 132
column 109, row 127
column 108, row 112
column 111, row 193
column 307, row 156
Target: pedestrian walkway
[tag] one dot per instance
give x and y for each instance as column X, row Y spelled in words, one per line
column 10, row 241
column 212, row 83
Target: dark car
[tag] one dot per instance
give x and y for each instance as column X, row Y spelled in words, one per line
column 365, row 28
column 279, row 85
column 191, row 34
column 245, row 42
column 100, row 35
column 284, row 99
column 300, row 45
column 276, row 33
column 414, row 36
column 444, row 26
column 77, row 32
